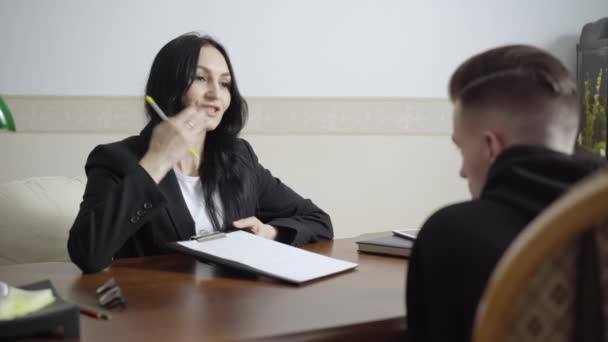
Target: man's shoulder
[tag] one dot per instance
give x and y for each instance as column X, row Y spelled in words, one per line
column 471, row 222
column 478, row 210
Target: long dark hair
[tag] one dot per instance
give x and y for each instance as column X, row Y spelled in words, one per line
column 221, row 170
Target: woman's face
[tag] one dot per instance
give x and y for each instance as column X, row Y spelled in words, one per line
column 210, row 89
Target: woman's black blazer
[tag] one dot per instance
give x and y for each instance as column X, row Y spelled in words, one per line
column 124, row 213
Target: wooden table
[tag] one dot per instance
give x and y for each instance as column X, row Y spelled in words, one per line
column 176, row 298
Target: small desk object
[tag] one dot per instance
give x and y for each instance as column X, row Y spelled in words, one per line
column 58, row 314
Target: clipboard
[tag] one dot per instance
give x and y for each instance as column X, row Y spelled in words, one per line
column 248, row 252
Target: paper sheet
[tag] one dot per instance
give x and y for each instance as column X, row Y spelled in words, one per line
column 270, row 257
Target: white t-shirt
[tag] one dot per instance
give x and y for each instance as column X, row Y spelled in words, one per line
column 192, row 191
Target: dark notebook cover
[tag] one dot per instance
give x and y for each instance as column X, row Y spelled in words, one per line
column 389, row 245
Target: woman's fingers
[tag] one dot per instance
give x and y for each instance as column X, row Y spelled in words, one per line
column 250, row 223
column 256, row 227
column 192, row 118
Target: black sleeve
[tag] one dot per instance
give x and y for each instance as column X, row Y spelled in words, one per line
column 298, row 221
column 118, row 199
column 447, row 273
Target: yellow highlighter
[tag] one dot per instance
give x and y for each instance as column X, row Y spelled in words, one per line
column 162, row 115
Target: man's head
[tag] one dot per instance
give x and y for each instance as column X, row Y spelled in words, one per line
column 508, row 96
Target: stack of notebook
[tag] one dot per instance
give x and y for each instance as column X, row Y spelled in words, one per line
column 400, row 243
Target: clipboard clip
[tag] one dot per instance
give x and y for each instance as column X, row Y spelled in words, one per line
column 208, row 236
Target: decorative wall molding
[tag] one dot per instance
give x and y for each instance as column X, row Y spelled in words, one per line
column 268, row 115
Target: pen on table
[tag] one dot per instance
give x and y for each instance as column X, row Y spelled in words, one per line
column 94, row 313
column 208, row 236
column 162, row 115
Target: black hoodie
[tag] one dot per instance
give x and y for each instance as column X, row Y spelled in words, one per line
column 459, row 245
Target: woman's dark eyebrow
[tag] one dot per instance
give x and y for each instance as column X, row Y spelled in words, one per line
column 225, row 74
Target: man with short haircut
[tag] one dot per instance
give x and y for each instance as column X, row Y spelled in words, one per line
column 516, row 118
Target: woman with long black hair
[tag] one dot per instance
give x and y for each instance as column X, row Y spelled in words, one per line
column 187, row 175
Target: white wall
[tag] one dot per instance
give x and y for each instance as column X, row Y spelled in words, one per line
column 393, row 48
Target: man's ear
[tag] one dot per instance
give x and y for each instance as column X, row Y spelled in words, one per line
column 494, row 145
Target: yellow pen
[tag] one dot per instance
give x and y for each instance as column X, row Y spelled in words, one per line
column 162, row 115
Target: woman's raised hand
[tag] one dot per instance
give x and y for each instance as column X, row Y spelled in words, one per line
column 172, row 141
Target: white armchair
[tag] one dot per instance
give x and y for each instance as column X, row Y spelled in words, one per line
column 35, row 217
